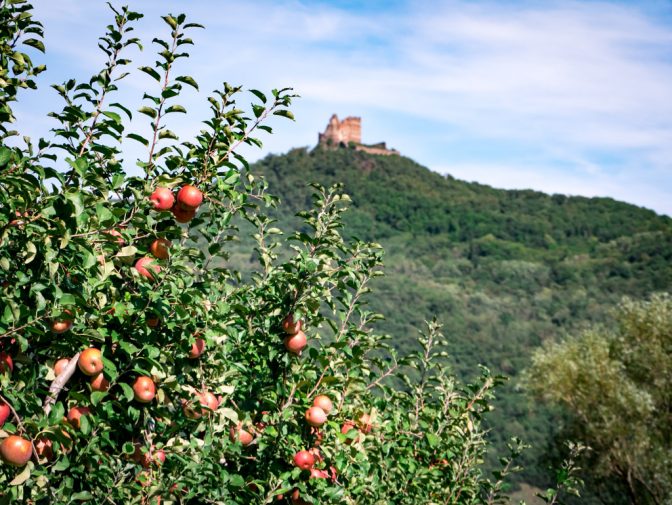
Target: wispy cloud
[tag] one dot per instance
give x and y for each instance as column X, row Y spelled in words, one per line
column 580, row 91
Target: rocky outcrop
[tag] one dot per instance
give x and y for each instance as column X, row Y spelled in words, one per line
column 348, row 133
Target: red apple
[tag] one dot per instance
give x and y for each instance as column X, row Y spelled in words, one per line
column 4, row 412
column 241, row 435
column 118, row 237
column 144, row 389
column 304, row 460
column 324, row 403
column 197, row 348
column 365, row 423
column 160, row 248
column 63, row 324
column 91, row 361
column 162, row 198
column 16, row 451
column 6, row 363
column 189, row 197
column 316, row 417
column 153, row 321
column 183, row 215
column 60, row 365
column 157, row 457
column 296, row 343
column 290, row 326
column 75, row 414
column 346, row 428
column 100, row 383
column 143, row 266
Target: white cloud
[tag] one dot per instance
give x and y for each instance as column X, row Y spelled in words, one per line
column 576, row 82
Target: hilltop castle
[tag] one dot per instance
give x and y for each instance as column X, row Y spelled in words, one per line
column 348, row 133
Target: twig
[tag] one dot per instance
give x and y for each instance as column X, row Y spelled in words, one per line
column 59, row 383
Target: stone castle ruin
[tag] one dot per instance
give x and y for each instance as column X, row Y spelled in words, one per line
column 348, row 133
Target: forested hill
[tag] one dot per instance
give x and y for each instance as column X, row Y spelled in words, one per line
column 502, row 270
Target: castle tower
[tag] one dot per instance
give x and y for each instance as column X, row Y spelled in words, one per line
column 346, row 131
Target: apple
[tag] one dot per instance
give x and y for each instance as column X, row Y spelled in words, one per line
column 241, row 435
column 144, row 264
column 118, row 237
column 183, row 215
column 162, row 198
column 75, row 414
column 304, row 460
column 324, row 403
column 63, row 324
column 296, row 499
column 44, row 447
column 204, row 399
column 315, row 416
column 290, row 326
column 144, row 389
column 318, row 474
column 189, row 197
column 156, row 457
column 160, row 248
column 16, row 451
column 296, row 343
column 365, row 424
column 100, row 383
column 197, row 348
column 6, row 363
column 60, row 365
column 4, row 412
column 346, row 428
column 91, row 361
column 153, row 321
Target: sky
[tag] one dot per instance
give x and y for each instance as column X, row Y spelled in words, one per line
column 558, row 96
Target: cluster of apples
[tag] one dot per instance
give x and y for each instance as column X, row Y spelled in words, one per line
column 296, row 339
column 184, row 207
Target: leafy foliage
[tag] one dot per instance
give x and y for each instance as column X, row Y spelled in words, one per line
column 616, row 384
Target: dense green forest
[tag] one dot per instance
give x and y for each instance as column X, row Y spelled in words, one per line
column 504, row 271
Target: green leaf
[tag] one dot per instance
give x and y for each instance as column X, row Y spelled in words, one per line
column 31, row 251
column 167, row 134
column 5, row 156
column 284, row 113
column 148, row 111
column 128, row 391
column 151, row 72
column 137, row 137
column 23, row 476
column 187, row 80
column 176, row 108
column 113, row 116
column 37, row 44
column 259, row 95
column 171, row 21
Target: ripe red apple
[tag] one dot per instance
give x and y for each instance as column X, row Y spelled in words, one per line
column 6, row 363
column 315, row 416
column 183, row 215
column 204, row 399
column 162, row 198
column 4, row 412
column 295, row 498
column 189, row 197
column 365, row 423
column 197, row 348
column 100, row 383
column 296, row 343
column 241, row 435
column 153, row 321
column 15, row 450
column 324, row 403
column 157, row 457
column 75, row 414
column 91, row 361
column 60, row 365
column 143, row 266
column 346, row 428
column 318, row 474
column 290, row 326
column 118, row 237
column 304, row 460
column 160, row 248
column 63, row 324
column 144, row 389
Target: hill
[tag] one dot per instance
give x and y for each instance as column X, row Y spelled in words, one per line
column 503, row 270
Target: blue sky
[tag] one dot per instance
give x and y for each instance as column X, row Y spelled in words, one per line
column 566, row 97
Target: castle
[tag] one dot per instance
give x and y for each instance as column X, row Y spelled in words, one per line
column 348, row 133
